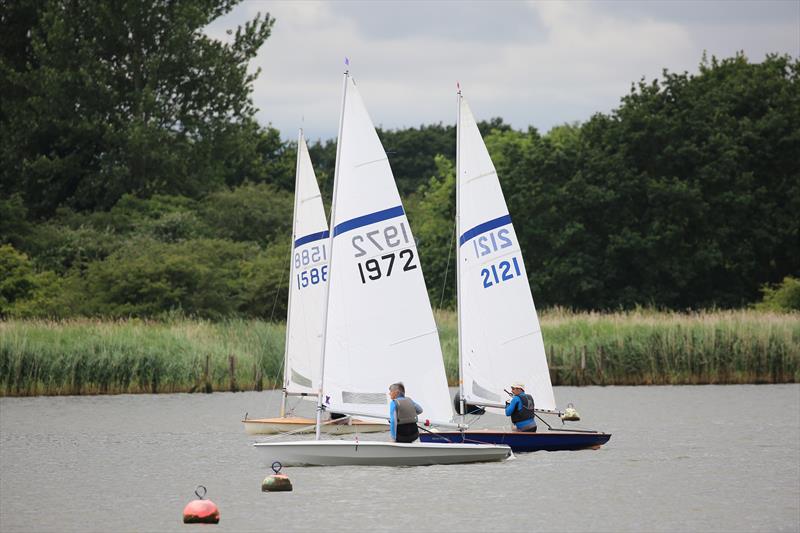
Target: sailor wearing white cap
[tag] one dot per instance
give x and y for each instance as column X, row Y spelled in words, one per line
column 520, row 409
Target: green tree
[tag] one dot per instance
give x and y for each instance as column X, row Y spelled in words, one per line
column 27, row 293
column 14, row 227
column 433, row 220
column 253, row 212
column 200, row 277
column 266, row 282
column 16, row 277
column 105, row 98
column 703, row 185
column 783, row 297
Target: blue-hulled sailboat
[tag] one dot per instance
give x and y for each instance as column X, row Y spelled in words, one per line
column 499, row 337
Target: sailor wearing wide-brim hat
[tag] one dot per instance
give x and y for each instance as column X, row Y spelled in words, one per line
column 521, row 409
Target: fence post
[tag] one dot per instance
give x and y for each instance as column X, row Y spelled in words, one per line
column 232, row 364
column 259, row 381
column 583, row 366
column 554, row 378
column 600, row 364
column 206, row 377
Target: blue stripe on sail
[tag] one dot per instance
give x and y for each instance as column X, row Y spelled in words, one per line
column 366, row 220
column 483, row 228
column 311, row 238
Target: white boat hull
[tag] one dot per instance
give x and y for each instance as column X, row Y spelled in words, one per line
column 297, row 425
column 371, row 453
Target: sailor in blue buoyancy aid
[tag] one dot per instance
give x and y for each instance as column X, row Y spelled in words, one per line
column 520, row 409
column 403, row 414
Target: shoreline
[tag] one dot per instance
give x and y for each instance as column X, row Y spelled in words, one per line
column 642, row 347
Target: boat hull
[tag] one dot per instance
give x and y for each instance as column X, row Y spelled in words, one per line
column 523, row 442
column 298, row 425
column 370, row 453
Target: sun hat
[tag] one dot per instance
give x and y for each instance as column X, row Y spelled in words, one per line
column 518, row 385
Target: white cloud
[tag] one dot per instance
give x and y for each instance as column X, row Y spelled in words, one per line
column 535, row 63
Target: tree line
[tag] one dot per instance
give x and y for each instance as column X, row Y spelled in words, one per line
column 135, row 181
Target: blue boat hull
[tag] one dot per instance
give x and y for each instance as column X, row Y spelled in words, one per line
column 524, row 442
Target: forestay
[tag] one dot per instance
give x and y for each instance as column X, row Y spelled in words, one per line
column 380, row 326
column 309, row 275
column 500, row 338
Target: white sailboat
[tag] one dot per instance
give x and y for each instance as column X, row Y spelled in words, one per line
column 500, row 339
column 379, row 327
column 304, row 318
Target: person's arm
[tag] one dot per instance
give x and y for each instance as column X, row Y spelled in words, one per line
column 512, row 405
column 392, row 423
column 417, row 407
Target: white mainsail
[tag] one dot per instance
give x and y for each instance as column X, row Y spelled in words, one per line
column 379, row 323
column 309, row 275
column 500, row 340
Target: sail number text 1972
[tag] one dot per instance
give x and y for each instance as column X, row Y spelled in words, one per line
column 382, row 244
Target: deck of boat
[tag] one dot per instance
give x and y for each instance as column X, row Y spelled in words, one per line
column 295, row 424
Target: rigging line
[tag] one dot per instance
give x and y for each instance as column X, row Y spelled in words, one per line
column 564, row 429
column 300, row 430
column 437, row 435
column 543, row 420
column 280, row 284
column 296, row 404
column 447, row 266
column 279, row 376
column 277, row 379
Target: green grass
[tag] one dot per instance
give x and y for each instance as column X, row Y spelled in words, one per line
column 89, row 357
column 633, row 348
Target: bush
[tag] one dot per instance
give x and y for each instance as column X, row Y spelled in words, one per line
column 783, row 297
column 253, row 212
column 201, row 277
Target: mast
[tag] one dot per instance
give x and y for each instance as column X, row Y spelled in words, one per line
column 330, row 247
column 456, row 240
column 291, row 274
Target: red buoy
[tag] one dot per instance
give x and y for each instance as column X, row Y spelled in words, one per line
column 200, row 511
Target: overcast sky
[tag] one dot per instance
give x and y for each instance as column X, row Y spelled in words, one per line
column 539, row 63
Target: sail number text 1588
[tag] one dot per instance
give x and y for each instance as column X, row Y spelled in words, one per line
column 315, row 274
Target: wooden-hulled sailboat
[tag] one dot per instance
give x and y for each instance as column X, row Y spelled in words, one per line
column 308, row 278
column 378, row 323
column 500, row 340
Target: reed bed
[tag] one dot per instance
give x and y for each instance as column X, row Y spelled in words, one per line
column 628, row 348
column 135, row 356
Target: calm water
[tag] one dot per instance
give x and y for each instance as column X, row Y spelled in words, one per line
column 710, row 458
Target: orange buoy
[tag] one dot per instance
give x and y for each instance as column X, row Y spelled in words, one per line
column 277, row 482
column 201, row 511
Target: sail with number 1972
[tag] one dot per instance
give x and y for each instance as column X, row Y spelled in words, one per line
column 378, row 323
